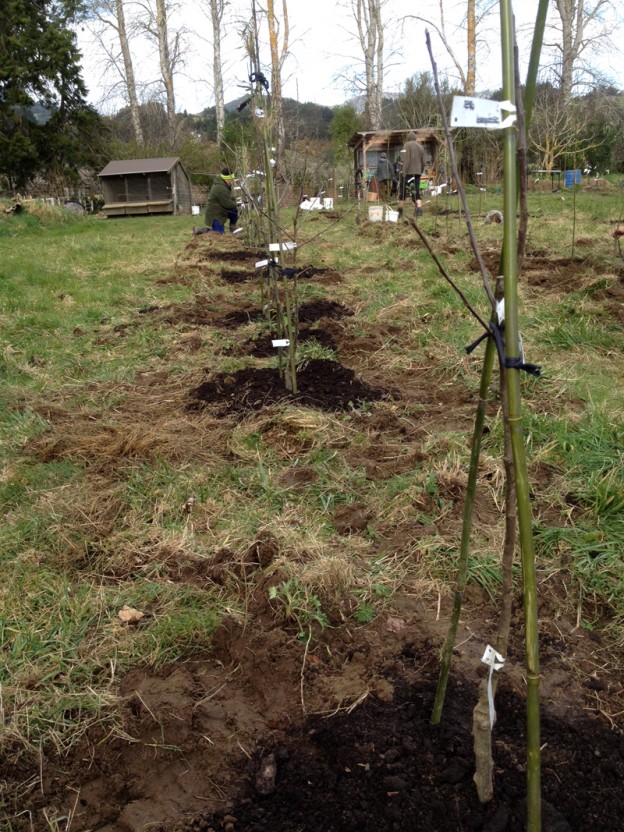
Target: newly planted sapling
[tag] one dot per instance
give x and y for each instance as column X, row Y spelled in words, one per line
column 280, row 301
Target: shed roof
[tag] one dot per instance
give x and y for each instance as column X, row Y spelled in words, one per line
column 123, row 167
column 383, row 138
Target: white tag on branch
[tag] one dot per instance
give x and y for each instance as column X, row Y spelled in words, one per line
column 481, row 112
column 128, row 615
column 500, row 311
column 285, row 246
column 261, row 264
column 494, row 661
column 281, row 342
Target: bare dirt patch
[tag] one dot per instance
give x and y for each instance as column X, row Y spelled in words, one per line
column 342, row 728
column 613, row 297
column 555, row 274
column 560, row 275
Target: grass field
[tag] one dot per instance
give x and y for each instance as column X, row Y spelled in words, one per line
column 113, row 492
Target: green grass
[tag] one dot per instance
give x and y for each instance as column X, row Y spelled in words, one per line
column 98, row 465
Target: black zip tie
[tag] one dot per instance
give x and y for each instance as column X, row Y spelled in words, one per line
column 508, row 363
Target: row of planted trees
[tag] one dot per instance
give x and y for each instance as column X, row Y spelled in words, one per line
column 502, row 347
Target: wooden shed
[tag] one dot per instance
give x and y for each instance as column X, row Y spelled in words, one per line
column 145, row 186
column 368, row 146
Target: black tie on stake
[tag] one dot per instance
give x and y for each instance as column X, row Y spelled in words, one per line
column 509, row 363
column 259, row 78
column 289, row 272
column 255, row 78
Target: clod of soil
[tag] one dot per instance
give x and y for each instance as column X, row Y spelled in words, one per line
column 322, row 384
column 297, row 477
column 352, row 518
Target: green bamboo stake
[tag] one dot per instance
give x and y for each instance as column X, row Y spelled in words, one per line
column 517, row 438
column 486, row 376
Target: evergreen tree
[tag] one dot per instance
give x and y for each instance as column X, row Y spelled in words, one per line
column 45, row 123
column 344, row 124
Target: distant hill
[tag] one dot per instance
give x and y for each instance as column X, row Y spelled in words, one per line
column 302, row 121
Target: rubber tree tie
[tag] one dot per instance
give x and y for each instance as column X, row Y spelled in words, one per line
column 472, row 347
column 259, row 78
column 509, row 363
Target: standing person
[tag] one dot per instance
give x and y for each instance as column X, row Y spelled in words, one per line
column 397, row 169
column 384, row 177
column 358, row 183
column 413, row 167
column 221, row 205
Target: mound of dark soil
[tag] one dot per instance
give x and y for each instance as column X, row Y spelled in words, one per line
column 310, row 312
column 384, row 767
column 236, row 275
column 323, row 384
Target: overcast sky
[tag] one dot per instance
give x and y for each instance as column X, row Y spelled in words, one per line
column 323, row 51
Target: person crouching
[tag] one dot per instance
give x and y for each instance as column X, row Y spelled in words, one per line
column 221, row 206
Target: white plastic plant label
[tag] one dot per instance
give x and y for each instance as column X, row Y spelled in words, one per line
column 261, row 264
column 285, row 246
column 481, row 112
column 281, row 342
column 494, row 661
column 500, row 311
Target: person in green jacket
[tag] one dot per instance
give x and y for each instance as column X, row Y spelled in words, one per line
column 221, row 206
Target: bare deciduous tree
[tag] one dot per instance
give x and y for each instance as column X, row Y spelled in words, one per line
column 583, row 25
column 110, row 14
column 217, row 8
column 155, row 24
column 558, row 129
column 475, row 13
column 279, row 53
column 370, row 35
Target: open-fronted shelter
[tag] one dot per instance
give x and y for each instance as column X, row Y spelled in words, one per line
column 145, row 186
column 367, row 147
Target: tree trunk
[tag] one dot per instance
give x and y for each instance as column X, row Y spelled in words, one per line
column 377, row 95
column 367, row 15
column 577, row 18
column 567, row 11
column 166, row 66
column 216, row 13
column 128, row 71
column 472, row 50
column 278, row 56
